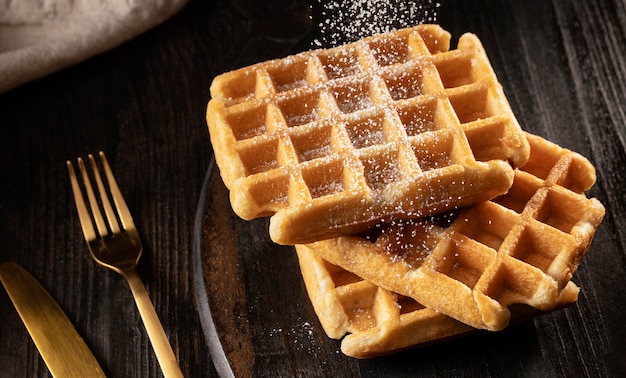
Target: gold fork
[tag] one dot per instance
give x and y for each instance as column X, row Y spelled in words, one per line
column 118, row 247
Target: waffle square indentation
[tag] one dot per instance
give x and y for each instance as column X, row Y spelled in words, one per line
column 418, row 118
column 507, row 286
column 289, row 74
column 454, row 70
column 324, row 179
column 312, row 142
column 301, row 109
column 488, row 224
column 260, row 156
column 536, row 247
column 358, row 302
column 404, row 84
column 366, row 132
column 486, row 141
column 239, row 87
column 381, row 169
column 465, row 262
column 472, row 105
column 271, row 188
column 560, row 210
column 352, row 96
column 540, row 165
column 411, row 241
column 434, row 152
column 247, row 123
column 340, row 63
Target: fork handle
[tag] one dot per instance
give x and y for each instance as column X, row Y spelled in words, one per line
column 157, row 336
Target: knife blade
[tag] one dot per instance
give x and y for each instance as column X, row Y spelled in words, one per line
column 59, row 344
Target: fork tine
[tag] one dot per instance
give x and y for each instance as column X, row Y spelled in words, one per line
column 83, row 213
column 118, row 198
column 104, row 197
column 93, row 203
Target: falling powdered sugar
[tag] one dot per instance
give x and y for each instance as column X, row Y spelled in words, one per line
column 344, row 22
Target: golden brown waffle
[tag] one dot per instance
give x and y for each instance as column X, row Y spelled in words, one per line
column 522, row 247
column 331, row 141
column 376, row 321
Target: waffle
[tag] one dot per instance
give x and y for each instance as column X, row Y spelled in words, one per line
column 330, row 142
column 522, row 247
column 376, row 321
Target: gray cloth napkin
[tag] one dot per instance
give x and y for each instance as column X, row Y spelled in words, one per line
column 39, row 37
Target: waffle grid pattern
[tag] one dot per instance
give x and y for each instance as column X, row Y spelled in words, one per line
column 331, row 141
column 373, row 321
column 522, row 247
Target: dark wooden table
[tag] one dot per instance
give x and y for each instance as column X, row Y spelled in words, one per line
column 563, row 68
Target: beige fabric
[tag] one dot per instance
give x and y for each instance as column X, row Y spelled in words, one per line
column 39, row 37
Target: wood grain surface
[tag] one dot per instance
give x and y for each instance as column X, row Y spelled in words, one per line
column 562, row 64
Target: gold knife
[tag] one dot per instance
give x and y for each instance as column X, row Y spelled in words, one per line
column 59, row 344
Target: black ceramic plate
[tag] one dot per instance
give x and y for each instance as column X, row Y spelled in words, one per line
column 258, row 320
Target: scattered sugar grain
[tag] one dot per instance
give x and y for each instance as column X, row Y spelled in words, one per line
column 343, row 22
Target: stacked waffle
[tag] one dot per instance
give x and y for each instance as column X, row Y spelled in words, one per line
column 330, row 142
column 418, row 206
